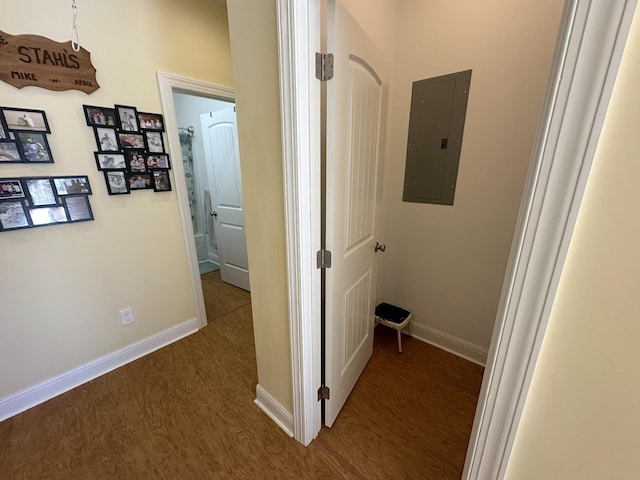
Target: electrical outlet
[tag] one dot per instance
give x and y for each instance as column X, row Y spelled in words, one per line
column 126, row 316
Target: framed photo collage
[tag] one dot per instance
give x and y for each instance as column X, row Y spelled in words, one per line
column 23, row 136
column 131, row 151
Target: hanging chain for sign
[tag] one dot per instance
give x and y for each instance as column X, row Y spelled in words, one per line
column 75, row 39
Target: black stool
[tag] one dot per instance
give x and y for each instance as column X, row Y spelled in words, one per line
column 393, row 317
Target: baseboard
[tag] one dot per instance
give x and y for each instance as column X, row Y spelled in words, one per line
column 274, row 410
column 451, row 344
column 46, row 390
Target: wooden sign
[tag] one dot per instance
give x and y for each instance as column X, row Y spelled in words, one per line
column 32, row 60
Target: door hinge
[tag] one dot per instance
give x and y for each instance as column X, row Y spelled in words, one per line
column 324, row 66
column 324, row 393
column 323, row 259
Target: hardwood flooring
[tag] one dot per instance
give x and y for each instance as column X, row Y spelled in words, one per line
column 187, row 412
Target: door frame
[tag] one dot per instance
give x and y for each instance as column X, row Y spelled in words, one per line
column 589, row 49
column 168, row 84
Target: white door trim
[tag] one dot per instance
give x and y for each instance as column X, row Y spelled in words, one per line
column 588, row 53
column 168, row 84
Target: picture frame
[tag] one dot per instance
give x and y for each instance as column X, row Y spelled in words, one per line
column 33, row 147
column 51, row 215
column 116, row 182
column 136, row 161
column 4, row 130
column 127, row 118
column 110, row 160
column 140, row 181
column 25, row 119
column 153, row 141
column 41, row 191
column 11, row 188
column 106, row 139
column 130, row 140
column 78, row 208
column 13, row 215
column 9, row 152
column 151, row 121
column 158, row 161
column 100, row 116
column 75, row 185
column 161, row 181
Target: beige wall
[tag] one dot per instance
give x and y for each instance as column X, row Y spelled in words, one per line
column 581, row 419
column 446, row 263
column 62, row 286
column 254, row 49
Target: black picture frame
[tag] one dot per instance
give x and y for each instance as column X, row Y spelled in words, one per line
column 100, row 116
column 41, row 191
column 151, row 121
column 9, row 152
column 106, row 139
column 140, row 181
column 72, row 185
column 136, row 162
column 153, row 141
column 131, row 140
column 25, row 120
column 78, row 208
column 116, row 182
column 48, row 215
column 33, row 147
column 13, row 215
column 11, row 188
column 158, row 161
column 127, row 118
column 110, row 160
column 161, row 181
column 4, row 130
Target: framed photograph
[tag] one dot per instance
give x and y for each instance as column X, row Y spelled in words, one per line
column 40, row 191
column 78, row 208
column 139, row 181
column 34, row 147
column 110, row 161
column 9, row 152
column 130, row 140
column 26, row 119
column 161, row 182
column 13, row 215
column 11, row 188
column 4, row 133
column 158, row 160
column 135, row 161
column 100, row 116
column 106, row 139
column 72, row 185
column 48, row 215
column 154, row 141
column 127, row 118
column 116, row 183
column 151, row 121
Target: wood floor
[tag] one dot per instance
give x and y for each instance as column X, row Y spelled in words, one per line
column 187, row 412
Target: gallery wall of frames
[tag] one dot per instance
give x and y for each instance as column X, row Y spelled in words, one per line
column 130, row 148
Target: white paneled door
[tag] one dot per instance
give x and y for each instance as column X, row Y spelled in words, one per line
column 354, row 133
column 220, row 135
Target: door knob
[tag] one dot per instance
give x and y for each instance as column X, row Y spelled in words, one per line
column 381, row 247
column 214, row 214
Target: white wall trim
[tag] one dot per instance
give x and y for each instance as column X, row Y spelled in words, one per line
column 449, row 343
column 298, row 39
column 48, row 389
column 274, row 410
column 588, row 53
column 168, row 84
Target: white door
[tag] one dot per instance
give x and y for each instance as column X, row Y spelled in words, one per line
column 220, row 136
column 354, row 133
